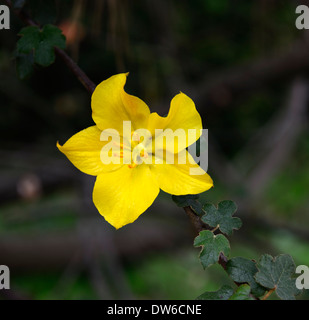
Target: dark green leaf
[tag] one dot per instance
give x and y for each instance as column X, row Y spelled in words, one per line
column 184, row 201
column 242, row 293
column 212, row 246
column 30, row 39
column 222, row 216
column 224, row 293
column 44, row 54
column 189, row 201
column 242, row 270
column 54, row 36
column 277, row 273
column 41, row 43
column 24, row 65
column 51, row 37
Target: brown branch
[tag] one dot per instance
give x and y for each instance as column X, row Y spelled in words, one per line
column 195, row 220
column 199, row 226
column 75, row 69
column 268, row 294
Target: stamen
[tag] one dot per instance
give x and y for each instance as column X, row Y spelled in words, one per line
column 121, row 145
column 144, row 154
column 119, row 155
column 133, row 165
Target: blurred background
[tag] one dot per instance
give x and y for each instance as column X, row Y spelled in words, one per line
column 244, row 64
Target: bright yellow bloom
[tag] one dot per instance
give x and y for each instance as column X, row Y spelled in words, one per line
column 123, row 191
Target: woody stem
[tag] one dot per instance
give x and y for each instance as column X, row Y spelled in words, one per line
column 199, row 226
column 70, row 63
column 267, row 295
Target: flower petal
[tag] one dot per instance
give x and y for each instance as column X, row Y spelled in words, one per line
column 111, row 105
column 84, row 150
column 178, row 178
column 122, row 196
column 182, row 115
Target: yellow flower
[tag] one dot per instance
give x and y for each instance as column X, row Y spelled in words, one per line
column 124, row 190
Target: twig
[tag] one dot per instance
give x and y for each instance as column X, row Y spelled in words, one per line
column 199, row 226
column 267, row 295
column 76, row 70
column 195, row 220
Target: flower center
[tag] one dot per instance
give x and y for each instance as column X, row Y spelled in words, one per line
column 133, row 154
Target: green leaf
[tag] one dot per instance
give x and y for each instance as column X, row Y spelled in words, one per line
column 51, row 37
column 242, row 270
column 222, row 216
column 189, row 200
column 24, row 65
column 44, row 54
column 224, row 293
column 41, row 43
column 227, row 293
column 242, row 293
column 54, row 36
column 212, row 245
column 30, row 38
column 276, row 273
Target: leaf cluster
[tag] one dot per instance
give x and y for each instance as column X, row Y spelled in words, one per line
column 253, row 279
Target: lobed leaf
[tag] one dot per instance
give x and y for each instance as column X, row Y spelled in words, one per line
column 277, row 273
column 212, row 245
column 24, row 65
column 242, row 270
column 224, row 293
column 242, row 293
column 222, row 216
column 189, row 200
column 41, row 43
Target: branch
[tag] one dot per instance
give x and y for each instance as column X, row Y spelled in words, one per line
column 75, row 69
column 195, row 220
column 199, row 226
